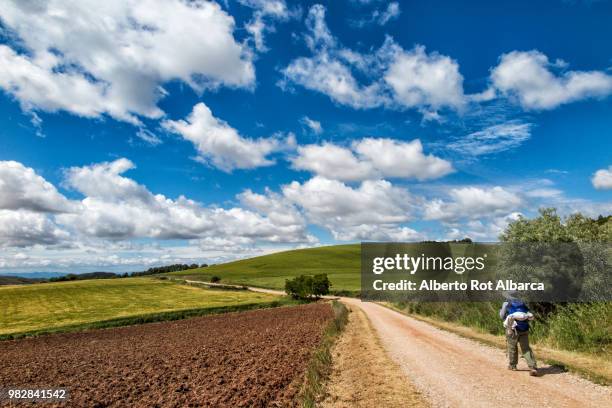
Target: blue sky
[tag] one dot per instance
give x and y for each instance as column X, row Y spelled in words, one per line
column 151, row 132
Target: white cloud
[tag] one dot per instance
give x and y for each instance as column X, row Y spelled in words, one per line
column 274, row 206
column 328, row 70
column 380, row 16
column 425, row 80
column 544, row 192
column 602, row 179
column 319, row 36
column 105, row 180
column 485, row 231
column 115, row 207
column 276, row 8
column 328, row 75
column 332, row 162
column 392, row 158
column 314, row 125
column 22, row 189
column 265, row 14
column 219, row 144
column 369, row 232
column 371, row 158
column 148, row 137
column 394, row 78
column 22, row 228
column 347, row 212
column 390, row 13
column 473, row 203
column 493, row 139
column 529, row 78
column 92, row 58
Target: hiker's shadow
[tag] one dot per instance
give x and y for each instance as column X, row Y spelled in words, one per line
column 552, row 369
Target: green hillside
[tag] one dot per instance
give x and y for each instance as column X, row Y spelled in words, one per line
column 340, row 262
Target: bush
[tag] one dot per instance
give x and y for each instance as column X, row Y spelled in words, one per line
column 307, row 287
column 215, row 279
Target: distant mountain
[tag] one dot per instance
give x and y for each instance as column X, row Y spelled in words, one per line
column 16, row 280
column 88, row 275
column 34, row 275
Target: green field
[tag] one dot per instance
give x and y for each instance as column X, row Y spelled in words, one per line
column 80, row 304
column 341, row 263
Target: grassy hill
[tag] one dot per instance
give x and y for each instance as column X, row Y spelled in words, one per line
column 340, row 262
column 76, row 305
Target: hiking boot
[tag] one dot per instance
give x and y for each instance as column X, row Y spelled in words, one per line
column 533, row 372
column 512, row 367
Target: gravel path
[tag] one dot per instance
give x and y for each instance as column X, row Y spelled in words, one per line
column 452, row 371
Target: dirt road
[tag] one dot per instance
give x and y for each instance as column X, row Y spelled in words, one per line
column 452, row 371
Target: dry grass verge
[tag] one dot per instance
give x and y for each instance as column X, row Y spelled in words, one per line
column 321, row 361
column 362, row 373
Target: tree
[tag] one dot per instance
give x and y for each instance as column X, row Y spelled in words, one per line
column 320, row 285
column 578, row 265
column 549, row 227
column 307, row 287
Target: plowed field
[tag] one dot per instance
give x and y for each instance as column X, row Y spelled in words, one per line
column 254, row 359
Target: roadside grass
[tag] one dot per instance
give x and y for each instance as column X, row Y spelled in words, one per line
column 320, row 364
column 576, row 327
column 577, row 337
column 341, row 263
column 78, row 305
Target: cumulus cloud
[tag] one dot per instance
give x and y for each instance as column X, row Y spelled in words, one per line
column 493, row 139
column 92, row 58
column 220, row 144
column 393, row 158
column 346, row 211
column 602, row 179
column 115, row 207
column 22, row 189
column 371, row 158
column 473, row 203
column 530, row 78
column 328, row 75
column 394, row 77
column 333, row 162
column 23, row 228
column 425, row 80
column 369, row 232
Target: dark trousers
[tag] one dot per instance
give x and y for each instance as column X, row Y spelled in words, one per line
column 513, row 341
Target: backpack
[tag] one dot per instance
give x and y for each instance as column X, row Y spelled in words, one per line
column 516, row 305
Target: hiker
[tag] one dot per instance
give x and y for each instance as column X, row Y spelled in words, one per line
column 516, row 318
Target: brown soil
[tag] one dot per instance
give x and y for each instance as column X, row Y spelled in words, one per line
column 254, row 359
column 363, row 375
